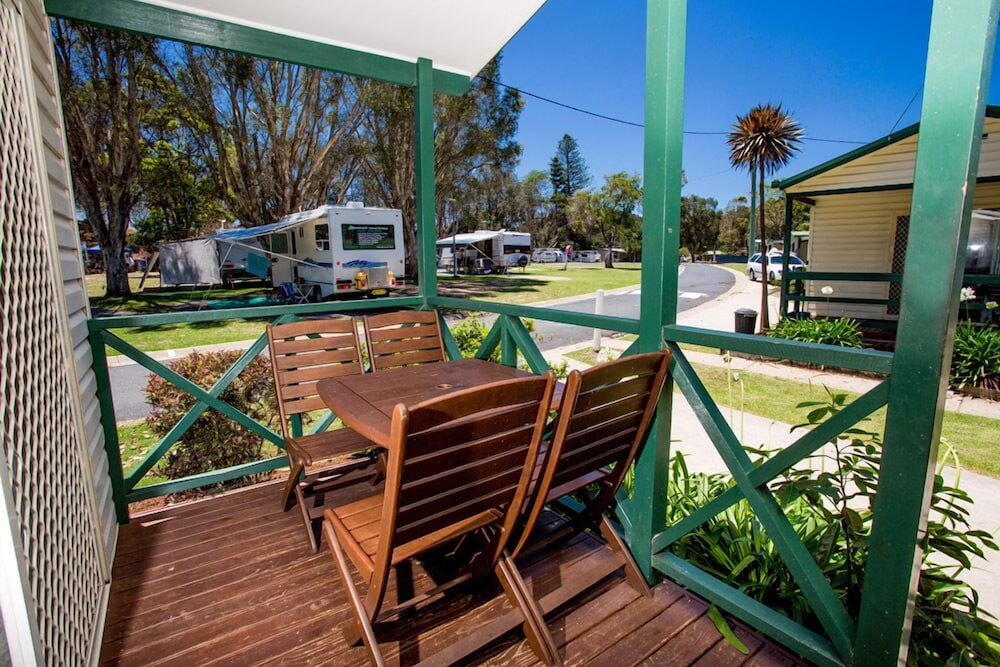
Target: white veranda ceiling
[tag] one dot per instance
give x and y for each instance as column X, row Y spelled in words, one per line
column 459, row 36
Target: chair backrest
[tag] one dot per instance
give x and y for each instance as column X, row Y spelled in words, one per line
column 303, row 353
column 604, row 419
column 403, row 338
column 463, row 461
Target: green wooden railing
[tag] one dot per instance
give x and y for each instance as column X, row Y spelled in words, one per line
column 793, row 287
column 508, row 333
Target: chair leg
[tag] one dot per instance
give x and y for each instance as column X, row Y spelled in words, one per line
column 306, row 519
column 632, row 572
column 535, row 630
column 294, row 472
column 367, row 631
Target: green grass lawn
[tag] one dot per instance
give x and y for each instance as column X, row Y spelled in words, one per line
column 135, row 440
column 541, row 282
column 189, row 334
column 974, row 438
column 156, row 301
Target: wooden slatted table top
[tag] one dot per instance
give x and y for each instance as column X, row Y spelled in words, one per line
column 365, row 402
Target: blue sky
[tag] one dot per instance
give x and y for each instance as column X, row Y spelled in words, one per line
column 845, row 70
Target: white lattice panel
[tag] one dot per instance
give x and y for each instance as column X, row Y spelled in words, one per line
column 40, row 436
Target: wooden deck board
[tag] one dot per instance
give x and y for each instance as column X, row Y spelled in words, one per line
column 231, row 580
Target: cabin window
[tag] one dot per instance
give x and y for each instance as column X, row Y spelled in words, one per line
column 368, row 237
column 982, row 256
column 322, row 237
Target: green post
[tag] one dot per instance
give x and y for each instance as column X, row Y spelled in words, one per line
column 423, row 156
column 665, row 49
column 109, row 423
column 786, row 251
column 960, row 53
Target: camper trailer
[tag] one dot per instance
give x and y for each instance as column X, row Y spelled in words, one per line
column 205, row 261
column 485, row 251
column 333, row 250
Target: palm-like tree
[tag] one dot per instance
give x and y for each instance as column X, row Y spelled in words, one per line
column 763, row 141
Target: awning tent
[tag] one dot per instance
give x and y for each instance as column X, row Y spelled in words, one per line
column 246, row 233
column 466, row 239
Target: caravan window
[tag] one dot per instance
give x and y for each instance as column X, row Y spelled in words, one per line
column 322, row 237
column 368, row 237
column 279, row 243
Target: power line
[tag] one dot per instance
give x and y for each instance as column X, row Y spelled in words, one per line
column 632, row 123
column 908, row 105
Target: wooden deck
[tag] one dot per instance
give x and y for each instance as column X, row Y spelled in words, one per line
column 232, row 580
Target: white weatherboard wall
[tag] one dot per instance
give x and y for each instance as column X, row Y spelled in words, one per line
column 894, row 164
column 59, row 528
column 854, row 233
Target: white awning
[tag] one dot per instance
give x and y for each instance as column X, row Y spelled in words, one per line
column 263, row 230
column 458, row 36
column 468, row 239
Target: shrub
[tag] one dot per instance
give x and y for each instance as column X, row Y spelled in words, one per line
column 829, row 507
column 976, row 359
column 842, row 331
column 471, row 331
column 214, row 441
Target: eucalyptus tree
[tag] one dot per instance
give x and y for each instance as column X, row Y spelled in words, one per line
column 473, row 140
column 276, row 137
column 761, row 142
column 110, row 84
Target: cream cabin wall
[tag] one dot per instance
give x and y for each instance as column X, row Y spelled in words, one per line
column 854, row 233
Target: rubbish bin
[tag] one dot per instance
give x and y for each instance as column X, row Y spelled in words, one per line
column 746, row 320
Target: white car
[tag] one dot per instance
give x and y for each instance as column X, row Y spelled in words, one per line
column 774, row 264
column 589, row 256
column 544, row 255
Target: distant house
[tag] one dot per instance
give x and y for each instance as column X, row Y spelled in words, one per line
column 860, row 218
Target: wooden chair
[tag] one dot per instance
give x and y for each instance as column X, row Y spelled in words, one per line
column 459, row 466
column 604, row 419
column 403, row 338
column 302, row 353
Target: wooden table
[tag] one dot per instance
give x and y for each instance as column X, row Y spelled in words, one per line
column 365, row 402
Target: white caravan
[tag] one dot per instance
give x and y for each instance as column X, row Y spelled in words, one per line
column 333, row 250
column 485, row 251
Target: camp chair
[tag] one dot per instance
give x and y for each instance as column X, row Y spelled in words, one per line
column 302, row 353
column 459, row 466
column 403, row 338
column 605, row 417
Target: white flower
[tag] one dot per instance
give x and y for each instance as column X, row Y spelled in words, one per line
column 968, row 294
column 605, row 355
column 827, row 290
column 991, row 305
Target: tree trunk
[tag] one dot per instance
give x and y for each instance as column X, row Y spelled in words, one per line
column 114, row 268
column 765, row 323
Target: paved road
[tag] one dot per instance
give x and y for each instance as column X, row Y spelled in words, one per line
column 698, row 283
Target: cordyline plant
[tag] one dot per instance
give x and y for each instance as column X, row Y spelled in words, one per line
column 762, row 142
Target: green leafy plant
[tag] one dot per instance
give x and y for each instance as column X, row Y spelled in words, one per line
column 828, row 500
column 842, row 331
column 214, row 441
column 976, row 359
